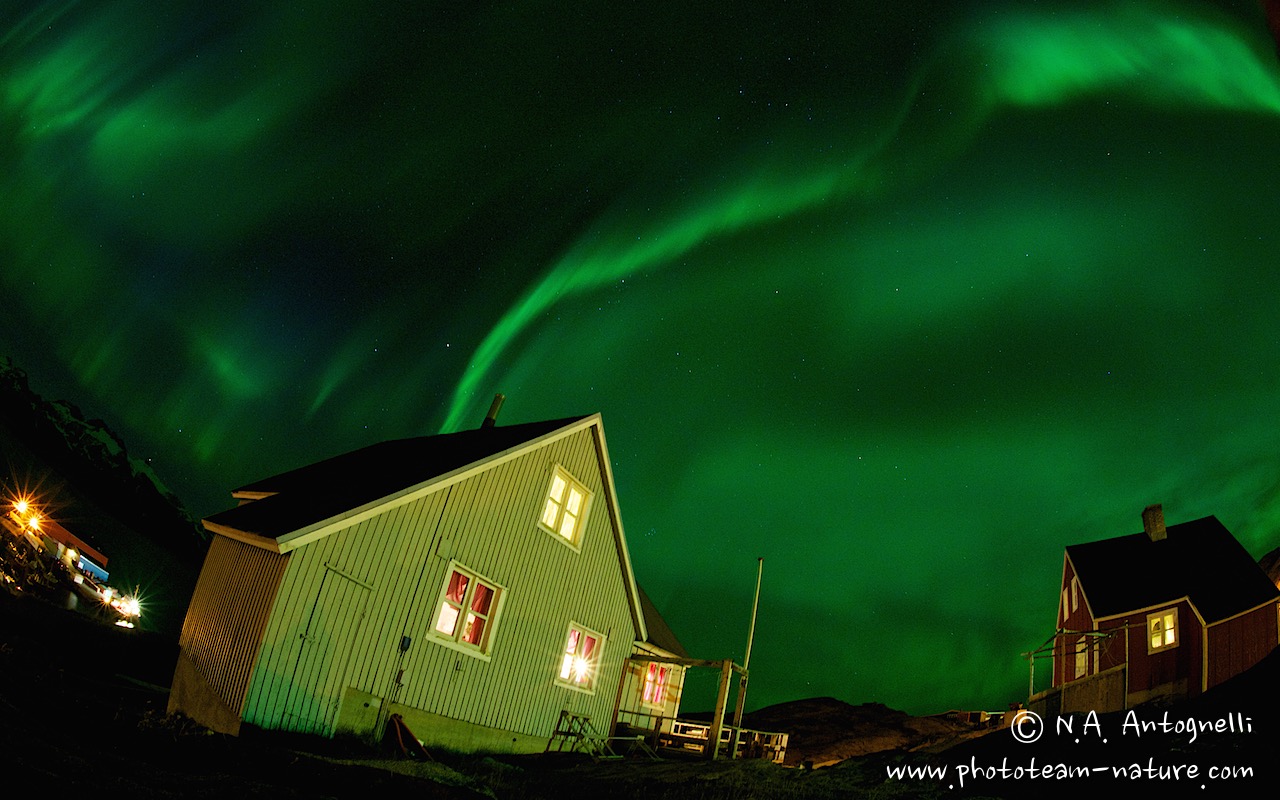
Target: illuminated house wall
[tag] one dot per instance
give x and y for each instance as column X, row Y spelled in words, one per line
column 1180, row 608
column 341, row 592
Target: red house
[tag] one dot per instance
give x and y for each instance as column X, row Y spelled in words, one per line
column 1169, row 612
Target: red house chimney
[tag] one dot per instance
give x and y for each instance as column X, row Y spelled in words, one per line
column 1153, row 522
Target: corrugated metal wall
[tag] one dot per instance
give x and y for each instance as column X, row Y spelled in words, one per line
column 398, row 561
column 228, row 615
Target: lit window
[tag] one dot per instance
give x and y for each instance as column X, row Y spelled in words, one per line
column 565, row 509
column 1082, row 657
column 655, row 685
column 1162, row 630
column 580, row 659
column 467, row 609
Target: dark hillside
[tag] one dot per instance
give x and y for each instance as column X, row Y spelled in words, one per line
column 80, row 474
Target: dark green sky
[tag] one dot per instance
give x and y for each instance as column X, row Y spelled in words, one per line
column 903, row 300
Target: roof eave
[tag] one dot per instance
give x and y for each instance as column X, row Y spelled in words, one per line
column 254, row 539
column 620, row 537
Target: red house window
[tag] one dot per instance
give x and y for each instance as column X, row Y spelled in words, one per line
column 1162, row 630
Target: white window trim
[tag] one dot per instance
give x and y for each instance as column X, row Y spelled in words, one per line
column 495, row 611
column 596, row 658
column 575, row 543
column 1177, row 640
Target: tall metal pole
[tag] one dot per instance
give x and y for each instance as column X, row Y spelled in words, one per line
column 746, row 662
column 755, row 606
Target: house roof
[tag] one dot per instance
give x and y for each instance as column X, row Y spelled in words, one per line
column 289, row 510
column 1199, row 560
column 660, row 633
column 336, row 487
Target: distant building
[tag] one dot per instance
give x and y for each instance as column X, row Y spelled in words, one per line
column 66, row 546
column 478, row 584
column 1169, row 612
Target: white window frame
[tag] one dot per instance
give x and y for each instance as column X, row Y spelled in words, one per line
column 570, row 673
column 1167, row 620
column 463, row 609
column 555, row 509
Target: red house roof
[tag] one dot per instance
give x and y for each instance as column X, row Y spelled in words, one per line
column 1199, row 560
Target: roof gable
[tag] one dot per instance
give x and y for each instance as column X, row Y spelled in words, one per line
column 1199, row 560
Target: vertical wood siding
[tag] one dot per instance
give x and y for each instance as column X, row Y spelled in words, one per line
column 398, row 562
column 1237, row 644
column 1150, row 671
column 228, row 615
column 1073, row 620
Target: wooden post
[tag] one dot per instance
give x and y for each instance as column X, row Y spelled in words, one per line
column 617, row 700
column 722, row 700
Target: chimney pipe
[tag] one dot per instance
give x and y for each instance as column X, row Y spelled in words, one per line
column 492, row 417
column 1153, row 522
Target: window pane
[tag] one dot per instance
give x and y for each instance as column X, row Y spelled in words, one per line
column 483, row 597
column 474, row 630
column 549, row 513
column 448, row 619
column 457, row 587
column 588, row 648
column 567, row 525
column 575, row 501
column 566, row 667
column 571, row 647
column 557, row 488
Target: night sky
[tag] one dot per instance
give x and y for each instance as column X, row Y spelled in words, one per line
column 902, row 298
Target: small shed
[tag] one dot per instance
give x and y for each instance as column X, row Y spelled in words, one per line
column 1169, row 612
column 477, row 583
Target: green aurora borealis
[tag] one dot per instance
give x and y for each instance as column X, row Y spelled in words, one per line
column 902, row 299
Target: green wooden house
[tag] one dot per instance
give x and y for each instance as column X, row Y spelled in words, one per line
column 476, row 583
